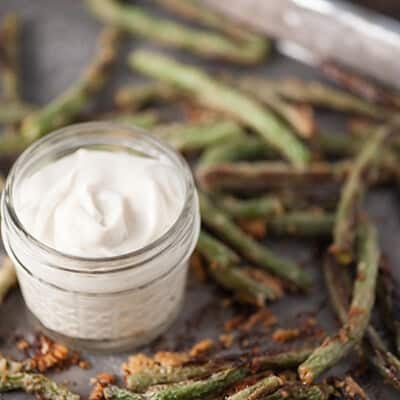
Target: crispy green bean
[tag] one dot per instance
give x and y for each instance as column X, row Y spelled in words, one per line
column 116, row 393
column 360, row 86
column 240, row 149
column 284, row 360
column 307, row 224
column 190, row 390
column 189, row 137
column 361, row 129
column 140, row 95
column 298, row 391
column 137, row 21
column 337, row 145
column 142, row 119
column 347, row 210
column 195, row 11
column 318, row 94
column 147, row 119
column 207, row 91
column 259, row 389
column 338, row 284
column 11, row 144
column 159, row 375
column 12, row 112
column 38, row 385
column 269, row 208
column 336, row 347
column 9, row 49
column 253, row 251
column 260, row 207
column 12, row 108
column 299, row 117
column 388, row 297
column 255, row 177
column 224, row 268
column 64, row 108
column 328, row 145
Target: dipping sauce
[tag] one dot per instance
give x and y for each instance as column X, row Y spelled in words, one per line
column 100, row 204
column 100, row 220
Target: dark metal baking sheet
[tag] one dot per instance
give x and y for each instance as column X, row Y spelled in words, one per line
column 58, row 41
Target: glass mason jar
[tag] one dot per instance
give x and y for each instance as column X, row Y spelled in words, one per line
column 101, row 303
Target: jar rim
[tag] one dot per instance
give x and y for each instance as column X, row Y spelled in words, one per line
column 69, row 131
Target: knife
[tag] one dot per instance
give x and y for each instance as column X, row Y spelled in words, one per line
column 318, row 30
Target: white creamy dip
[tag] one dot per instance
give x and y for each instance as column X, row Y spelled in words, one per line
column 95, row 203
column 102, row 198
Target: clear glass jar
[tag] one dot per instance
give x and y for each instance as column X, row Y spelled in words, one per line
column 101, row 303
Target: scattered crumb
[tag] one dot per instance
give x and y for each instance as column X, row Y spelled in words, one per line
column 351, row 388
column 233, row 323
column 202, row 347
column 309, row 323
column 171, row 359
column 23, row 345
column 309, row 328
column 137, row 363
column 286, row 335
column 263, row 316
column 227, row 302
column 100, row 382
column 226, row 340
column 54, row 356
column 84, row 364
column 256, row 228
column 140, row 361
column 264, row 277
column 50, row 354
column 44, row 354
column 306, row 329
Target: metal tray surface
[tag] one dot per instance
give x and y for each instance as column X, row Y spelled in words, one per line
column 58, row 41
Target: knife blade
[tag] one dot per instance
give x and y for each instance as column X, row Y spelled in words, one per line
column 325, row 30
